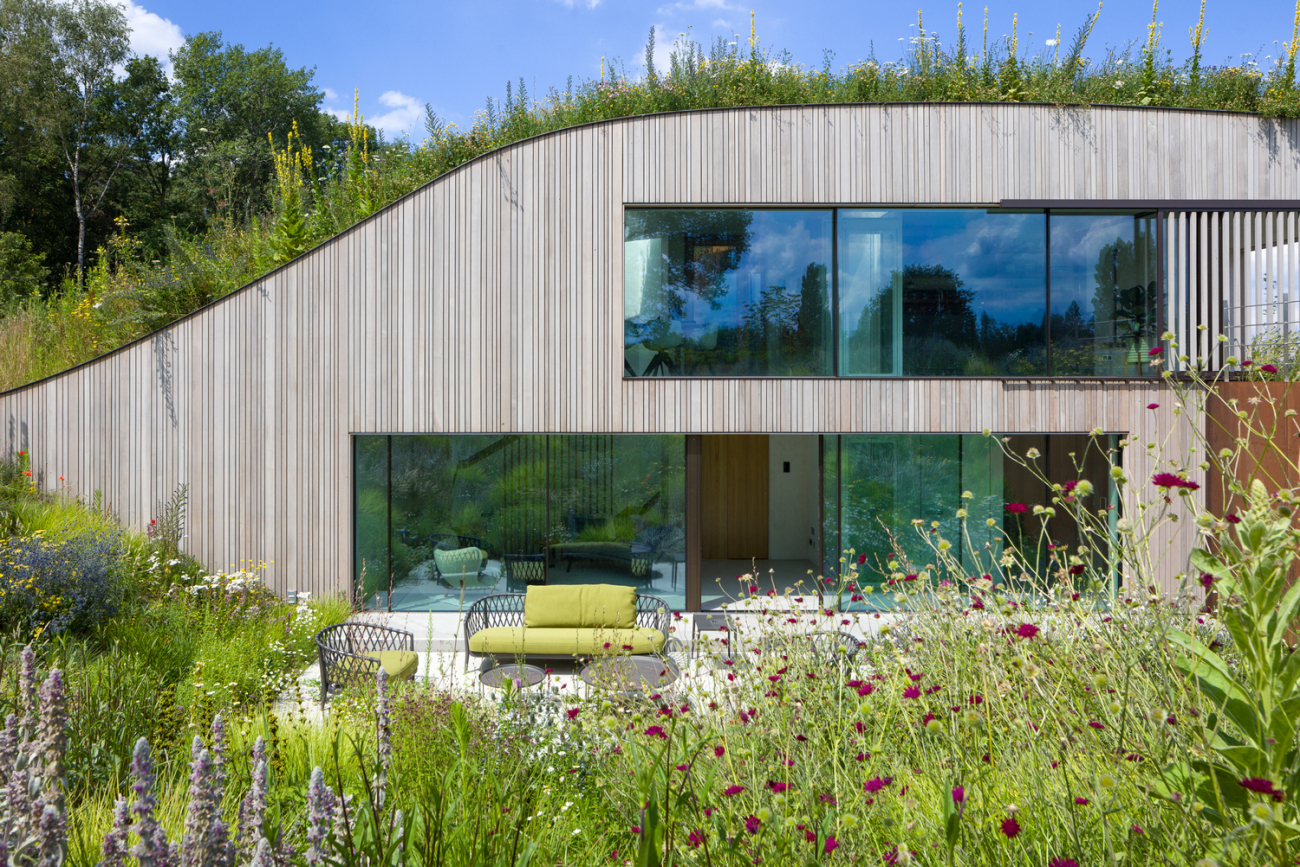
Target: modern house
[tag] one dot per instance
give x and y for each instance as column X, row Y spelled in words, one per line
column 656, row 349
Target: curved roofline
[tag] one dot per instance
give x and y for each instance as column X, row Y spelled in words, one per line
column 590, row 124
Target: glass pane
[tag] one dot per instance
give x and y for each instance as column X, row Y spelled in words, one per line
column 370, row 474
column 1103, row 295
column 713, row 292
column 831, row 550
column 618, row 513
column 942, row 292
column 887, row 480
column 460, row 504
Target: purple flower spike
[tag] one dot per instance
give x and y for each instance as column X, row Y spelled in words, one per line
column 51, row 837
column 320, row 814
column 8, row 746
column 263, row 857
column 152, row 850
column 115, row 848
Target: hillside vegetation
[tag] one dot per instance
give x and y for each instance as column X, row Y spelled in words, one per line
column 199, row 205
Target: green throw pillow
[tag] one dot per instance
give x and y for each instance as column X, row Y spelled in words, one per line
column 586, row 605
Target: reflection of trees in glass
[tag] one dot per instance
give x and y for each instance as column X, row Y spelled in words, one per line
column 1112, row 337
column 785, row 326
column 942, row 336
column 700, row 247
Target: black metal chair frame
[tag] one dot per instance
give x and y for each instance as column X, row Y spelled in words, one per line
column 342, row 648
column 507, row 609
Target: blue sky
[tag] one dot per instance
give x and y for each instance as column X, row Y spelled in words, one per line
column 402, row 54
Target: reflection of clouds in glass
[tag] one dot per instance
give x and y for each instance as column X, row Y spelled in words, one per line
column 783, row 244
column 1000, row 257
column 1076, row 243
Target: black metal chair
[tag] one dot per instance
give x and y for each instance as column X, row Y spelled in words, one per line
column 523, row 570
column 343, row 648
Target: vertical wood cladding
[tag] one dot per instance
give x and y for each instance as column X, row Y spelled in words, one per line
column 491, row 300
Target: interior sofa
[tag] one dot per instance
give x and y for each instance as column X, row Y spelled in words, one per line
column 565, row 621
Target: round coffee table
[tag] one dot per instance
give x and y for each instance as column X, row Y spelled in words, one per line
column 514, row 675
column 629, row 675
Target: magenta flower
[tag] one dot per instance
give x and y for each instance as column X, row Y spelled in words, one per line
column 733, row 791
column 1096, row 725
column 1155, row 351
column 777, row 788
column 656, row 732
column 958, row 794
column 1262, row 787
column 1232, row 519
column 862, row 558
column 1268, row 368
column 831, row 845
column 875, row 784
column 1153, row 406
column 573, row 712
column 719, row 751
column 912, row 692
column 1169, row 480
column 1207, row 580
column 1062, row 862
column 1016, row 508
column 1082, row 802
column 696, row 838
column 1010, row 827
column 1027, row 630
column 751, row 824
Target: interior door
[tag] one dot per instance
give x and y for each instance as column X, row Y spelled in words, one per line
column 734, row 497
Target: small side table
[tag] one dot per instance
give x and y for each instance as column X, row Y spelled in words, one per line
column 513, row 675
column 713, row 623
column 629, row 675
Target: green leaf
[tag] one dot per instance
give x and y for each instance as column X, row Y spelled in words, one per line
column 647, row 853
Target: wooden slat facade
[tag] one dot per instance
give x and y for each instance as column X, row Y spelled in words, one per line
column 491, row 300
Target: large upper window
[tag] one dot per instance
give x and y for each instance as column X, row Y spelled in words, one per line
column 887, row 292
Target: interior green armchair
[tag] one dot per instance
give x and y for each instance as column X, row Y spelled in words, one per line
column 460, row 565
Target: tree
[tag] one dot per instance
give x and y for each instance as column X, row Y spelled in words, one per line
column 26, row 74
column 228, row 100
column 91, row 38
column 150, row 128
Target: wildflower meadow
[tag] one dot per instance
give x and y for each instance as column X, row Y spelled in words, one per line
column 1054, row 711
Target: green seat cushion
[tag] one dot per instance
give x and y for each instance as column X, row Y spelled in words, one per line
column 564, row 641
column 461, row 561
column 590, row 605
column 400, row 664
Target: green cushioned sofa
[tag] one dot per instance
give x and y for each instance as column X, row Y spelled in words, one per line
column 566, row 621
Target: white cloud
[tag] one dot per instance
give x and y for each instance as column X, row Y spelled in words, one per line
column 331, row 94
column 590, row 4
column 152, row 34
column 403, row 115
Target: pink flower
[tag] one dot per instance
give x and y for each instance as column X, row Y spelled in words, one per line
column 958, row 794
column 573, row 712
column 1153, row 406
column 751, row 824
column 777, row 788
column 1232, row 519
column 862, row 558
column 1207, row 580
column 656, row 732
column 719, row 751
column 1062, row 862
column 1155, row 351
column 831, row 845
column 912, row 692
column 1082, row 802
column 1268, row 368
column 1262, row 787
column 733, row 791
column 1016, row 508
column 696, row 838
column 1096, row 725
column 1010, row 827
column 1169, row 480
column 875, row 784
column 1027, row 630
